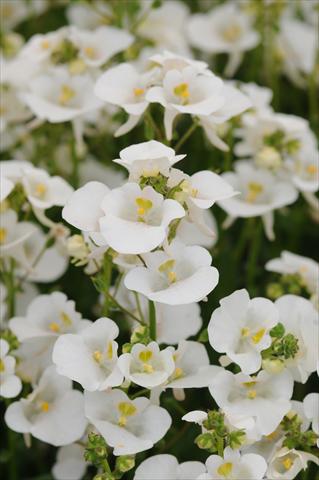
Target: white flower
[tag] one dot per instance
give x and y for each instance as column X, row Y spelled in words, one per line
column 98, row 46
column 147, row 159
column 190, row 231
column 146, row 365
column 135, row 220
column 240, row 328
column 69, row 463
column 11, row 172
column 166, row 467
column 300, row 318
column 192, row 366
column 10, row 384
column 167, row 60
column 285, row 464
column 311, row 411
column 298, row 60
column 261, row 192
column 125, row 87
column 12, row 110
column 200, row 190
column 264, row 398
column 129, row 426
column 90, row 356
column 83, row 209
column 13, row 234
column 182, row 276
column 260, row 97
column 225, row 29
column 290, row 263
column 48, row 316
column 235, row 103
column 88, row 16
column 187, row 91
column 303, row 167
column 53, row 412
column 165, row 26
column 234, row 465
column 44, row 191
column 60, row 97
column 40, row 267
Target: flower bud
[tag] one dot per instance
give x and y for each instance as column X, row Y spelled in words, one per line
column 268, row 157
column 77, row 247
column 125, row 463
column 205, row 441
column 273, row 366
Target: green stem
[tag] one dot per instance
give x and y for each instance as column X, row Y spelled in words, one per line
column 106, row 467
column 123, row 309
column 150, row 119
column 152, row 319
column 139, row 393
column 186, row 135
column 107, row 273
column 11, row 290
column 220, row 446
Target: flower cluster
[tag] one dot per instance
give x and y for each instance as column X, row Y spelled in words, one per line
column 132, row 317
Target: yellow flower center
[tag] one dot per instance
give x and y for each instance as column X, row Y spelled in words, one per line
column 97, row 356
column 109, row 351
column 90, row 52
column 251, row 394
column 77, row 66
column 45, row 44
column 45, row 407
column 258, row 335
column 143, row 206
column 66, row 95
column 178, row 373
column 287, row 463
column 65, row 319
column 3, row 234
column 40, row 190
column 145, row 356
column 245, row 332
column 126, row 409
column 312, row 169
column 182, row 91
column 225, row 469
column 167, row 268
column 54, row 327
column 232, row 33
column 138, row 92
column 254, row 189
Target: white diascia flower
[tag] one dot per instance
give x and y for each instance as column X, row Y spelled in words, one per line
column 57, row 96
column 240, row 328
column 178, row 276
column 13, row 234
column 44, row 191
column 169, row 60
column 125, row 87
column 235, row 103
column 198, row 228
column 35, row 266
column 90, row 356
column 265, row 398
column 285, row 464
column 260, row 97
column 234, row 465
column 192, row 366
column 225, row 29
column 187, row 91
column 10, row 384
column 11, row 173
column 303, row 168
column 165, row 26
column 136, row 220
column 311, row 411
column 261, row 192
column 53, row 412
column 146, row 365
column 148, row 159
column 88, row 16
column 298, row 60
column 69, row 463
column 200, row 190
column 48, row 316
column 129, row 426
column 290, row 263
column 99, row 46
column 166, row 467
column 300, row 318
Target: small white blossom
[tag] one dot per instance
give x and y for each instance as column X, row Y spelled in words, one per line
column 10, row 384
column 166, row 467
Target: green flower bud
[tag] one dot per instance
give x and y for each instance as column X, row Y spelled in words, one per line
column 278, row 331
column 274, row 291
column 205, row 441
column 125, row 463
